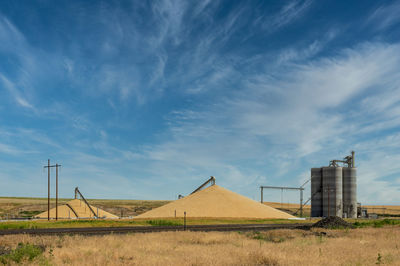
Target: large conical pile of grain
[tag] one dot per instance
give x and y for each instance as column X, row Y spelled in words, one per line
column 218, row 202
column 76, row 206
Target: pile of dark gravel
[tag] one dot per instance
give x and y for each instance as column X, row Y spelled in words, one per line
column 332, row 222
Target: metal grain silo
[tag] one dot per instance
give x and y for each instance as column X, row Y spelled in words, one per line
column 332, row 191
column 316, row 192
column 350, row 192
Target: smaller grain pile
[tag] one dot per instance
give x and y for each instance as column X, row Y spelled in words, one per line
column 216, row 202
column 76, row 209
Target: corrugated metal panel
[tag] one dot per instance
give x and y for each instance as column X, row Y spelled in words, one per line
column 316, row 192
column 350, row 192
column 332, row 191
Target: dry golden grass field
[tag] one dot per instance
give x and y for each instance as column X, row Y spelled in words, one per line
column 365, row 246
column 383, row 209
column 28, row 207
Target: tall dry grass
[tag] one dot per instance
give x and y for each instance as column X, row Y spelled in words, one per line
column 368, row 246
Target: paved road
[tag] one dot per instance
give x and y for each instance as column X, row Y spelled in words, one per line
column 149, row 229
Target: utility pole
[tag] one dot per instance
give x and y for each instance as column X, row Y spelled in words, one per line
column 57, row 191
column 48, row 188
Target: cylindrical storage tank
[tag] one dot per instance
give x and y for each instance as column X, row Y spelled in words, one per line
column 316, row 192
column 332, row 191
column 350, row 191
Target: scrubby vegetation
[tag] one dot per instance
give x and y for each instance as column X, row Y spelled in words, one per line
column 164, row 223
column 376, row 223
column 23, row 252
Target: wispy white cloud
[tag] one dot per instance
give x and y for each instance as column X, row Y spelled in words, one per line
column 29, row 66
column 287, row 14
column 10, row 86
column 296, row 53
column 10, row 36
column 24, row 142
column 377, row 171
column 385, row 16
column 296, row 112
column 301, row 96
column 34, row 136
column 170, row 15
column 290, row 12
column 11, row 150
column 202, row 5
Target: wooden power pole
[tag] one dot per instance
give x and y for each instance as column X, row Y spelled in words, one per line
column 48, row 188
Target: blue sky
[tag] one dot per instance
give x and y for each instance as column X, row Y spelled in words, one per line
column 147, row 99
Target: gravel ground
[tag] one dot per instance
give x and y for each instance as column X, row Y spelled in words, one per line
column 332, row 222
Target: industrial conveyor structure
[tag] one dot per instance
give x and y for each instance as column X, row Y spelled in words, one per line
column 348, row 160
column 87, row 204
column 209, row 181
column 73, row 210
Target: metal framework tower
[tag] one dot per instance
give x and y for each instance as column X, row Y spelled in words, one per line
column 301, row 189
